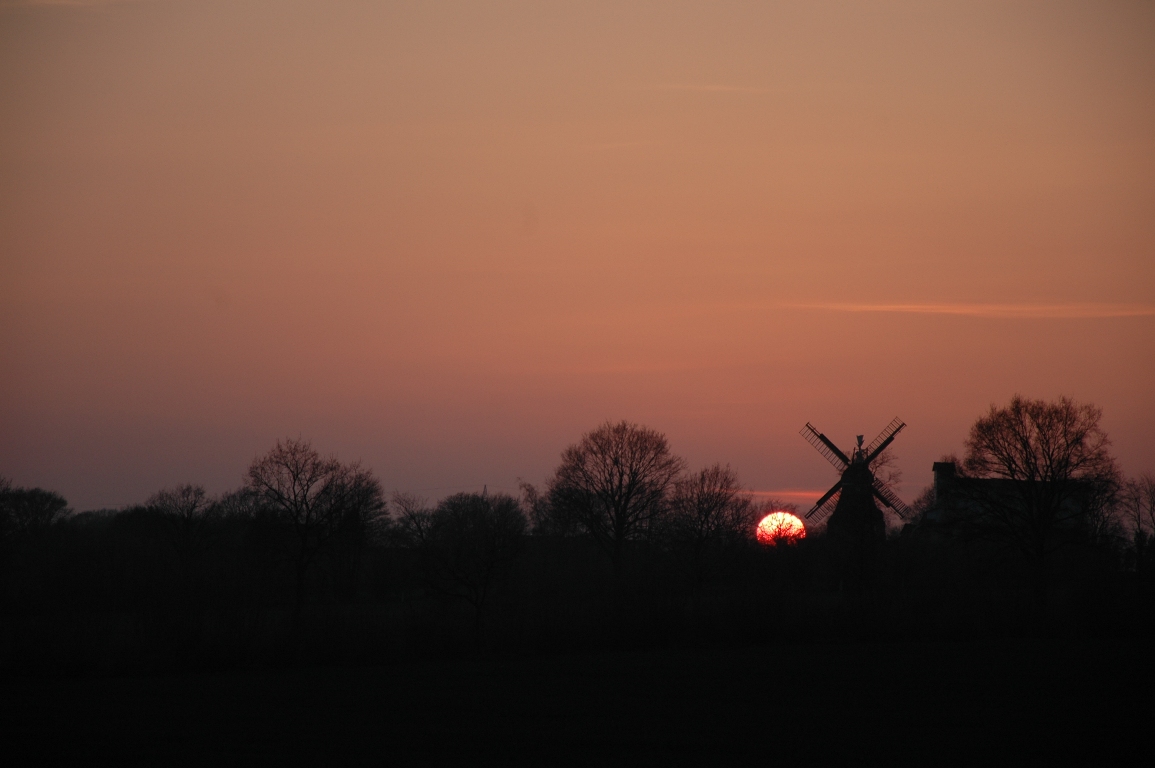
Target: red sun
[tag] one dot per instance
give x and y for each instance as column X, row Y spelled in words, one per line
column 780, row 527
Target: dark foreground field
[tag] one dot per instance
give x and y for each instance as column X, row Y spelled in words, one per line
column 1011, row 702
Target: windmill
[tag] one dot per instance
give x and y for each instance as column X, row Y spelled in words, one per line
column 850, row 504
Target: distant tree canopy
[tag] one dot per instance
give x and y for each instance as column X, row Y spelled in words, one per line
column 470, row 541
column 709, row 514
column 322, row 500
column 188, row 512
column 25, row 511
column 1137, row 504
column 1056, row 470
column 614, row 484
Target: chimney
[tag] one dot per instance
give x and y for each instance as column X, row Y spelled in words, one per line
column 945, row 473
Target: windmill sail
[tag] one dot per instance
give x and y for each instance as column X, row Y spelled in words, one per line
column 826, row 504
column 825, row 447
column 885, row 438
column 890, row 499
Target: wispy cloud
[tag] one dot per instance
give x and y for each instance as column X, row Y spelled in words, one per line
column 800, row 496
column 1010, row 311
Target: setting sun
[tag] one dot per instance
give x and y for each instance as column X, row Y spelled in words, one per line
column 780, row 526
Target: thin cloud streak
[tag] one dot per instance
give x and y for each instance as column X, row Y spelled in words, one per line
column 1076, row 311
column 799, row 496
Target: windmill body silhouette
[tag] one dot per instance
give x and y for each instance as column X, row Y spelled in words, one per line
column 850, row 504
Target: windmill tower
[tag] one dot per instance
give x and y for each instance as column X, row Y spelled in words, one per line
column 855, row 518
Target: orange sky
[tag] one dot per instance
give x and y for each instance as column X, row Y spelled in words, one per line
column 448, row 238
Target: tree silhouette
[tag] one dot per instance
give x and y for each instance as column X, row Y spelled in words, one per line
column 414, row 518
column 1137, row 502
column 709, row 515
column 1057, row 476
column 544, row 518
column 28, row 511
column 187, row 511
column 317, row 498
column 615, row 484
column 470, row 541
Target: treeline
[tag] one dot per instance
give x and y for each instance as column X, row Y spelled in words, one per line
column 309, row 563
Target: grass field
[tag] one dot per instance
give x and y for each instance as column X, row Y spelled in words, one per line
column 1021, row 702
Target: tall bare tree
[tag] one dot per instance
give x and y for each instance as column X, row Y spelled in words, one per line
column 317, row 497
column 710, row 514
column 1137, row 503
column 615, row 483
column 1056, row 470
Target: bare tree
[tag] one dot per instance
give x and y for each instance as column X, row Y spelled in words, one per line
column 240, row 503
column 543, row 520
column 923, row 503
column 28, row 511
column 318, row 498
column 1057, row 475
column 187, row 510
column 614, row 484
column 1137, row 504
column 885, row 467
column 471, row 540
column 414, row 518
column 710, row 514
